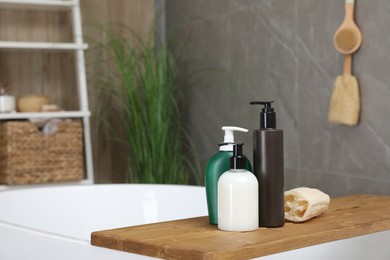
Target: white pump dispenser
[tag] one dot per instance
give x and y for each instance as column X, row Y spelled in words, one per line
column 238, row 196
column 229, row 137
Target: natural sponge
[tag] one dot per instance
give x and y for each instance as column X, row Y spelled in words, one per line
column 302, row 204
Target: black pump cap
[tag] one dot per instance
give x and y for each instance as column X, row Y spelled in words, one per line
column 267, row 115
column 238, row 160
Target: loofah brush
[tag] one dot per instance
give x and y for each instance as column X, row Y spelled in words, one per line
column 344, row 107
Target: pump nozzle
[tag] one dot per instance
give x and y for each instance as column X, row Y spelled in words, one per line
column 267, row 104
column 267, row 115
column 229, row 137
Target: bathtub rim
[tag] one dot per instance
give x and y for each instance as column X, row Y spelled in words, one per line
column 63, row 186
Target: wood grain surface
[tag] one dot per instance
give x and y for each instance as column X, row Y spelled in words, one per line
column 195, row 239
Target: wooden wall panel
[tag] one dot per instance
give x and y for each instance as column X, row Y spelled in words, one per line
column 53, row 73
column 139, row 16
column 38, row 72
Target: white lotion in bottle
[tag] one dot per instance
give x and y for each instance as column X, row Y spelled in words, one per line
column 238, row 196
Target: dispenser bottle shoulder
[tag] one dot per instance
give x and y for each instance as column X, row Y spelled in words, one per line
column 219, row 160
column 242, row 176
column 268, row 129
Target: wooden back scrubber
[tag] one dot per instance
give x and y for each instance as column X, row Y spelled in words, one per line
column 344, row 105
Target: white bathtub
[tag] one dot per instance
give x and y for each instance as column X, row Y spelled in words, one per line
column 56, row 222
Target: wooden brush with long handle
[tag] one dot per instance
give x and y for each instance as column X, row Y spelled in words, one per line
column 344, row 107
column 348, row 37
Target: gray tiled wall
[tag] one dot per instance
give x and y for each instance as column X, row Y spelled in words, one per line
column 282, row 50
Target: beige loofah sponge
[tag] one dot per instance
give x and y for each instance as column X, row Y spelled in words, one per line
column 344, row 107
column 302, row 204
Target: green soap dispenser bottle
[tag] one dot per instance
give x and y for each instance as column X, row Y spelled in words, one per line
column 216, row 166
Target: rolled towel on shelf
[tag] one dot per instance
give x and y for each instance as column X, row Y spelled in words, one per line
column 302, row 204
column 48, row 126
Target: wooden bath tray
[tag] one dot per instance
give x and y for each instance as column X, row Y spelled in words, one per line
column 195, row 239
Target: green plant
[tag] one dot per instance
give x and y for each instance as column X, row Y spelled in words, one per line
column 139, row 90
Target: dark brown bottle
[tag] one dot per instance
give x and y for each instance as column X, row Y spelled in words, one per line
column 268, row 167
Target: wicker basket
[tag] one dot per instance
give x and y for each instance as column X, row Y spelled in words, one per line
column 27, row 156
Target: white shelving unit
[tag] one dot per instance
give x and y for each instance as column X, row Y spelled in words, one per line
column 42, row 45
column 77, row 46
column 39, row 4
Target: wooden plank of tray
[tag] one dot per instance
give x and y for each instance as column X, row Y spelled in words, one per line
column 195, row 238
